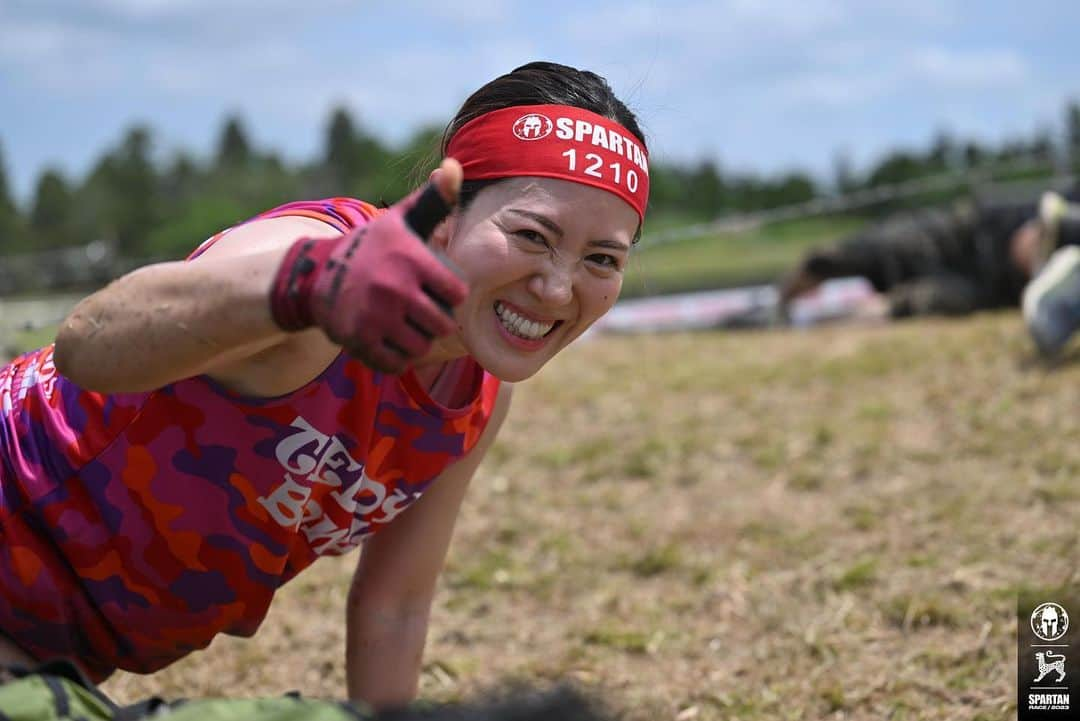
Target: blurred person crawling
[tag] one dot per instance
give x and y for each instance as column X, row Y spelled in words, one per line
column 976, row 255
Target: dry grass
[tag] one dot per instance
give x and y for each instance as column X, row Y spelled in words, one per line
column 779, row 525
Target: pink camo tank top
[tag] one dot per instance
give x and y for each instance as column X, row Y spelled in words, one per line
column 137, row 526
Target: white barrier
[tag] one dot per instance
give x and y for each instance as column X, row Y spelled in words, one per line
column 753, row 306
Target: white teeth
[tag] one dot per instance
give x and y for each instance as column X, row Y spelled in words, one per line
column 521, row 326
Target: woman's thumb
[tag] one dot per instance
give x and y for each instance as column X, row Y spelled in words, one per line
column 447, row 178
column 436, row 199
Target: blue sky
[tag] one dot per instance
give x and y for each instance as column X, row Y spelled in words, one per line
column 761, row 85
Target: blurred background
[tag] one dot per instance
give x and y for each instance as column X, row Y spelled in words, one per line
column 847, row 516
column 135, row 129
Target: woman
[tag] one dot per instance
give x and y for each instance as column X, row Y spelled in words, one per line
column 198, row 436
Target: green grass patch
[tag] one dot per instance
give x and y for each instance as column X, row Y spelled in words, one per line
column 621, row 639
column 911, row 612
column 806, row 479
column 834, row 698
column 481, row 573
column 647, row 459
column 756, row 255
column 587, row 451
column 862, row 518
column 25, row 340
column 859, row 575
column 656, row 561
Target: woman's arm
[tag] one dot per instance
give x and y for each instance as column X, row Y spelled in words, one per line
column 173, row 320
column 378, row 292
column 390, row 598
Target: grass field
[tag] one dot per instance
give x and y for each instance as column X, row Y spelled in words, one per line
column 728, row 259
column 769, row 525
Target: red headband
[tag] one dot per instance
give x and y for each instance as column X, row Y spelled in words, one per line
column 555, row 141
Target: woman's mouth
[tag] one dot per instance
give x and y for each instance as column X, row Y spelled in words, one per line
column 520, row 326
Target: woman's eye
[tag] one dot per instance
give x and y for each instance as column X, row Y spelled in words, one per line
column 605, row 260
column 532, row 236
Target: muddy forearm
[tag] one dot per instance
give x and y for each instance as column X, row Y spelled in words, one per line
column 169, row 321
column 383, row 655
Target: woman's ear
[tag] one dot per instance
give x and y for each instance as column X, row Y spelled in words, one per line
column 440, row 237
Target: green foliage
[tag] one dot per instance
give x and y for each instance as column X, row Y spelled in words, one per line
column 898, row 167
column 50, row 216
column 181, row 234
column 5, row 193
column 755, row 255
column 622, row 639
column 655, row 561
column 129, row 179
column 1072, row 133
column 149, row 206
column 352, row 158
column 860, row 574
column 234, row 150
column 7, row 207
column 11, row 231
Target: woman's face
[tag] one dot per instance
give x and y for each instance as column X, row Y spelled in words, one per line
column 544, row 259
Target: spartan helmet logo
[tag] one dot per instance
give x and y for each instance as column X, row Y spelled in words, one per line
column 1049, row 621
column 532, row 127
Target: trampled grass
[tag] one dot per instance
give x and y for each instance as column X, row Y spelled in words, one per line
column 770, row 525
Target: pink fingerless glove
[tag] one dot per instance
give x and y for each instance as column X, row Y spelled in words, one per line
column 378, row 291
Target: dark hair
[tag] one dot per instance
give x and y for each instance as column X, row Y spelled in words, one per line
column 540, row 83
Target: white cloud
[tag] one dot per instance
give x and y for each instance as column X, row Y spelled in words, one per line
column 755, row 80
column 927, row 13
column 971, row 70
column 149, row 9
column 729, row 28
column 232, row 72
column 207, row 12
column 921, row 75
column 35, row 40
column 833, row 88
column 788, row 18
column 471, row 14
column 59, row 57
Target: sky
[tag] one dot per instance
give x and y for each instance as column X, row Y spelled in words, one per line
column 756, row 85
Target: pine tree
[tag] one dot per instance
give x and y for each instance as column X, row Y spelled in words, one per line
column 706, row 189
column 943, row 153
column 50, row 216
column 126, row 181
column 234, row 150
column 340, row 153
column 1072, row 134
column 844, row 179
column 354, row 158
column 9, row 214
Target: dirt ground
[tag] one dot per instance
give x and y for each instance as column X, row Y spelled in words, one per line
column 769, row 525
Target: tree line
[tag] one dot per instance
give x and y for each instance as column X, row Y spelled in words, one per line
column 145, row 206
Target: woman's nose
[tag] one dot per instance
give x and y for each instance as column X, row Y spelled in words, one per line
column 554, row 283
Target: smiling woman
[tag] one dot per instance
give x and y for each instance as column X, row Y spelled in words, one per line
column 540, row 270
column 204, row 430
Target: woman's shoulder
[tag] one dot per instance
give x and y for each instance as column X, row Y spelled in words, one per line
column 343, row 214
column 284, row 223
